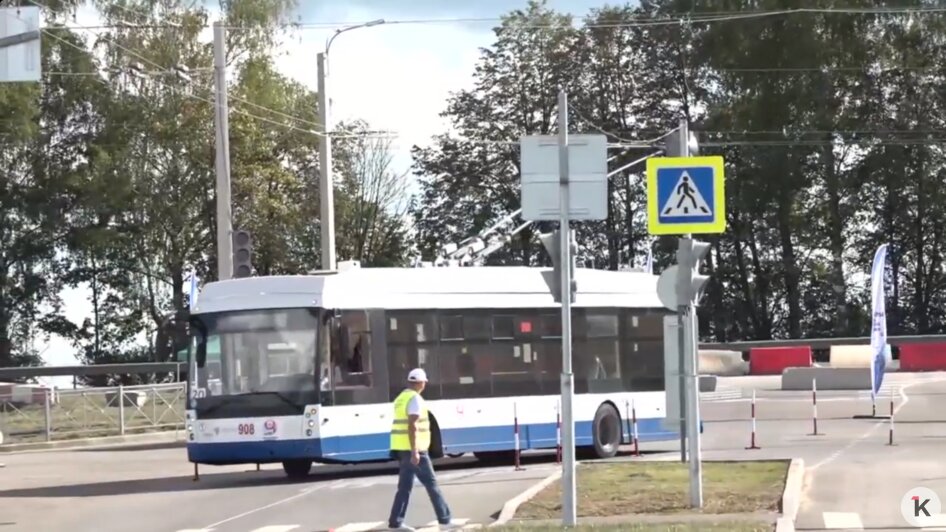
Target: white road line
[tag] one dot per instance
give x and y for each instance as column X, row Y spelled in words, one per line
column 359, row 527
column 457, row 522
column 843, row 520
column 904, row 400
column 265, row 507
column 276, row 528
column 195, row 530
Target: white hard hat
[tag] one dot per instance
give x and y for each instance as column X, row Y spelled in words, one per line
column 417, row 375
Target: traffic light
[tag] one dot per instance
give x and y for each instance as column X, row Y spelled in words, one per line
column 691, row 282
column 673, row 145
column 242, row 254
column 551, row 243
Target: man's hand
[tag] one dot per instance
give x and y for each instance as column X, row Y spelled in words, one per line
column 415, row 457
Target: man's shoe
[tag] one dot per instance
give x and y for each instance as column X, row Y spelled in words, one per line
column 451, row 526
column 403, row 528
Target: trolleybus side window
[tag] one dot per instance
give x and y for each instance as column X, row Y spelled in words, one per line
column 347, row 370
column 451, row 327
column 504, row 327
column 597, row 361
column 413, row 338
column 642, row 349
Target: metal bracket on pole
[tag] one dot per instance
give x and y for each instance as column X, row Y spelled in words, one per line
column 19, row 38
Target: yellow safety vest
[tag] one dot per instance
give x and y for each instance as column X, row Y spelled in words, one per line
column 400, row 441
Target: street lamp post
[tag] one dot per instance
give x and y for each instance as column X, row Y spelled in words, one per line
column 326, row 183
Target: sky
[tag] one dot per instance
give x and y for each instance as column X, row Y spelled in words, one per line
column 395, row 76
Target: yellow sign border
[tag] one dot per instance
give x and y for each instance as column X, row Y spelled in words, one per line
column 718, row 225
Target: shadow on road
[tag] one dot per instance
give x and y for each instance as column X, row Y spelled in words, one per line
column 243, row 479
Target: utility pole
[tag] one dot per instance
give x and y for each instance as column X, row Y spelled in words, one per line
column 222, row 166
column 569, row 492
column 326, row 183
column 584, row 199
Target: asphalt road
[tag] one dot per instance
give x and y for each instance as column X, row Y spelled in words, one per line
column 154, row 491
column 854, row 478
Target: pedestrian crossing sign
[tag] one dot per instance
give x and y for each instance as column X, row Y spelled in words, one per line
column 685, row 195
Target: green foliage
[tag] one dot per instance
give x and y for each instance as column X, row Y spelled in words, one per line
column 828, row 123
column 108, row 177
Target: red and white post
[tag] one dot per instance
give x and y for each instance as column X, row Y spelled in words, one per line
column 558, row 435
column 814, row 408
column 515, row 425
column 752, row 442
column 890, row 439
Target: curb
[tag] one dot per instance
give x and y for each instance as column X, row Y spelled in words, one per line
column 509, row 509
column 172, row 438
column 791, row 496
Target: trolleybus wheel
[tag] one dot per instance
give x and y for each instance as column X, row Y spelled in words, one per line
column 455, row 455
column 606, row 431
column 297, row 468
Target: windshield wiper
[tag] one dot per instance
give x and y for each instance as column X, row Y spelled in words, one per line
column 280, row 395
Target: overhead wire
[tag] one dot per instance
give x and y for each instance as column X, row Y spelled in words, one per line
column 622, row 142
column 161, row 68
column 672, row 18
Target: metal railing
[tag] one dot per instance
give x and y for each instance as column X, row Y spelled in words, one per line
column 47, row 415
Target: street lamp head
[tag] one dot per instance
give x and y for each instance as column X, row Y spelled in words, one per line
column 374, row 23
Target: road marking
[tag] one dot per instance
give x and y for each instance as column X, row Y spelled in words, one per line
column 455, row 522
column 359, row 527
column 277, row 528
column 843, row 520
column 195, row 530
column 904, row 400
column 264, row 507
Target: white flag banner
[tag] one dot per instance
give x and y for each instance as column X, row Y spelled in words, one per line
column 878, row 330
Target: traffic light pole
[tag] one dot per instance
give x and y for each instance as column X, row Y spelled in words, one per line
column 569, row 492
column 681, row 317
column 689, row 288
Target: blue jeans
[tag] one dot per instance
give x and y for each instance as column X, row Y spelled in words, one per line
column 425, row 473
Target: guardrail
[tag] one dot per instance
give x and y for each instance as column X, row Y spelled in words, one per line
column 92, row 412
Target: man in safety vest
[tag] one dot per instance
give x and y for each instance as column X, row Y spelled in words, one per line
column 410, row 441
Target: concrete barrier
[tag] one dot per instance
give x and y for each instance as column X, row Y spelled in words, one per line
column 923, row 357
column 828, row 378
column 722, row 363
column 774, row 360
column 851, row 356
column 707, row 383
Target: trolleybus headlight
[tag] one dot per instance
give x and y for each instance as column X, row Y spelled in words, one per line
column 308, row 432
column 190, row 428
column 311, row 422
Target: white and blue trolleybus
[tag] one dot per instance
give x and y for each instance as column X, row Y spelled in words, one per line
column 303, row 369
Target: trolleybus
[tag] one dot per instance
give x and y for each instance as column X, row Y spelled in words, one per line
column 303, row 369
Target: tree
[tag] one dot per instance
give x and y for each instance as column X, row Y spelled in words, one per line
column 372, row 201
column 46, row 133
column 470, row 183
